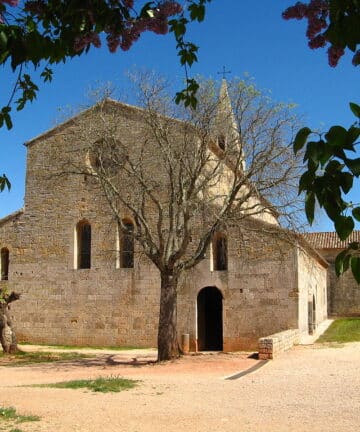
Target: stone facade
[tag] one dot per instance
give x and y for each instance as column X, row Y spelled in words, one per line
column 270, row 280
column 343, row 291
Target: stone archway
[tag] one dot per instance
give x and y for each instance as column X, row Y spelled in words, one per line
column 210, row 319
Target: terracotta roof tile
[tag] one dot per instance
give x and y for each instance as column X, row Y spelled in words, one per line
column 330, row 240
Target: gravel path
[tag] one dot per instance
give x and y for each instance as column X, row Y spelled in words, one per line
column 308, row 388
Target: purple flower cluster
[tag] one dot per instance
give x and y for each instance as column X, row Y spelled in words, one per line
column 132, row 29
column 334, row 54
column 113, row 42
column 128, row 3
column 10, row 2
column 83, row 41
column 36, row 6
column 298, row 11
column 317, row 14
column 318, row 41
column 124, row 33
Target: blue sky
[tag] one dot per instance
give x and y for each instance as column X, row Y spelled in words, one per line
column 243, row 35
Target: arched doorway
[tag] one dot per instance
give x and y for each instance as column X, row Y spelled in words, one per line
column 209, row 320
column 312, row 315
column 314, row 312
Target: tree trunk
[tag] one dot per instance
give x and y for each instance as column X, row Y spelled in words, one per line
column 7, row 334
column 168, row 347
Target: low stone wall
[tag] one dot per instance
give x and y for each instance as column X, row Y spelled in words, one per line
column 271, row 346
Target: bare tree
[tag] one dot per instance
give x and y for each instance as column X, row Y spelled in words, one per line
column 192, row 173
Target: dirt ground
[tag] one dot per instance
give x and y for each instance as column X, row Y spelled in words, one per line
column 308, row 388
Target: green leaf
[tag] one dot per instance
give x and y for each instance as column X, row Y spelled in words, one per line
column 336, row 136
column 342, row 262
column 355, row 108
column 355, row 268
column 4, row 182
column 8, row 121
column 346, row 181
column 306, row 181
column 333, row 204
column 354, row 246
column 310, row 206
column 317, row 152
column 313, row 163
column 7, row 182
column 179, row 96
column 334, row 166
column 178, row 27
column 300, row 139
column 352, row 135
column 344, row 226
column 4, row 55
column 3, row 40
column 47, row 74
column 353, row 165
column 356, row 213
column 6, row 116
column 197, row 12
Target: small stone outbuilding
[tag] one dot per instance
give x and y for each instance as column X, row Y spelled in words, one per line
column 343, row 291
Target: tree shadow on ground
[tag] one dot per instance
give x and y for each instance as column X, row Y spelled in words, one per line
column 104, row 360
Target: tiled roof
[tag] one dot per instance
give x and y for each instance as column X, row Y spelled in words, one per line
column 330, row 240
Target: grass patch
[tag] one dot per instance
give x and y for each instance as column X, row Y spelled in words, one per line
column 341, row 331
column 22, row 358
column 102, row 385
column 10, row 415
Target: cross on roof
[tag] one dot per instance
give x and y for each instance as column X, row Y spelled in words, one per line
column 224, row 72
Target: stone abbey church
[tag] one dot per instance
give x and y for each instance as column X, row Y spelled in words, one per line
column 82, row 282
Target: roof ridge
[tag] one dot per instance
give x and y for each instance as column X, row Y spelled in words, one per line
column 12, row 215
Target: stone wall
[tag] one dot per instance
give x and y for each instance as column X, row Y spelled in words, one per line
column 108, row 306
column 103, row 305
column 259, row 289
column 271, row 346
column 312, row 277
column 343, row 292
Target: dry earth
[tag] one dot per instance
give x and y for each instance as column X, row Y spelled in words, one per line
column 308, row 388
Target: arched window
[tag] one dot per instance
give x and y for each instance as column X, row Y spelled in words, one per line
column 83, row 243
column 127, row 245
column 222, row 142
column 219, row 249
column 4, row 264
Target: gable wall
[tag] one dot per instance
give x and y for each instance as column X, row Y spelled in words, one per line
column 101, row 305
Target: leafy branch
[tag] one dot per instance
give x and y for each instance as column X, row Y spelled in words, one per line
column 329, row 177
